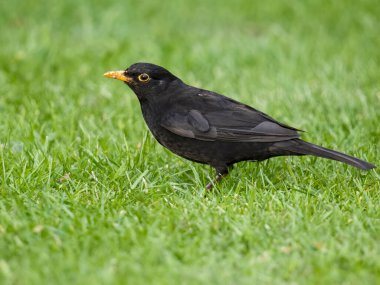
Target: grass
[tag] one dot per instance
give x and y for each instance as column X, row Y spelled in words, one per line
column 88, row 197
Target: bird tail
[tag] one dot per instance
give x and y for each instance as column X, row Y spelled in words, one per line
column 300, row 147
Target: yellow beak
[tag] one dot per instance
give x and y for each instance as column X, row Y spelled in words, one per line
column 119, row 75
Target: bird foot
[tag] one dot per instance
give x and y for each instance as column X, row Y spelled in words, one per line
column 216, row 180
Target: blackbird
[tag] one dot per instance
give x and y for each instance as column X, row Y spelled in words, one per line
column 209, row 128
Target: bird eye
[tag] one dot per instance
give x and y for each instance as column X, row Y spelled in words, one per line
column 143, row 77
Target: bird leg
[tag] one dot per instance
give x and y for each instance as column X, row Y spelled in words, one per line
column 220, row 174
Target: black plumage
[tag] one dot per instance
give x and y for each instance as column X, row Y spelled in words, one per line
column 209, row 128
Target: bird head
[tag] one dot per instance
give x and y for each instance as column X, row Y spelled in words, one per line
column 144, row 79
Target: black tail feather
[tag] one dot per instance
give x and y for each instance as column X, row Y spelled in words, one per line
column 300, row 147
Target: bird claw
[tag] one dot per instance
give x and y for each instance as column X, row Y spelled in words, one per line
column 216, row 180
column 209, row 186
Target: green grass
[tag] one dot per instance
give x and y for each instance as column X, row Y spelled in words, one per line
column 88, row 197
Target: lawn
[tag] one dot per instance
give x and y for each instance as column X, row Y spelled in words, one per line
column 88, row 197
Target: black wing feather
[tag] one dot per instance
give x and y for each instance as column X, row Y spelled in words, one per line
column 219, row 118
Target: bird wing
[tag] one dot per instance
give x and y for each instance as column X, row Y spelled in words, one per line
column 218, row 118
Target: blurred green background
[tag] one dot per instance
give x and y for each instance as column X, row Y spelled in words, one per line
column 88, row 197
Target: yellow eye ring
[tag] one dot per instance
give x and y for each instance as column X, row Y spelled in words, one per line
column 143, row 77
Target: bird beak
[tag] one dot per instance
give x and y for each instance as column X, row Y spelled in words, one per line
column 119, row 75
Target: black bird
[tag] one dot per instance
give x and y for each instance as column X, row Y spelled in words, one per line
column 209, row 128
